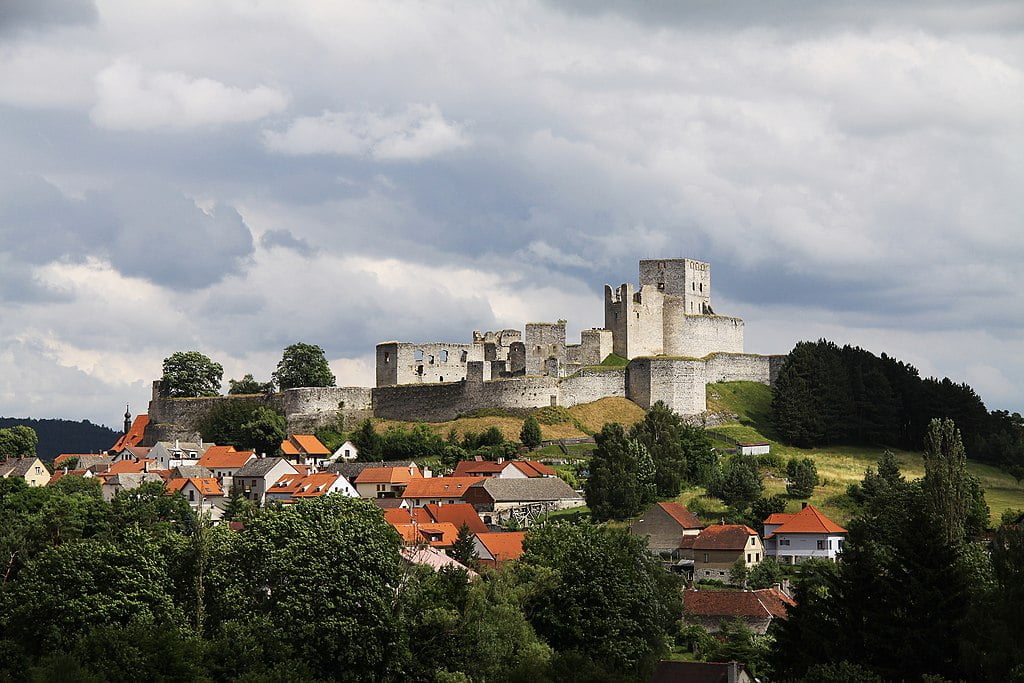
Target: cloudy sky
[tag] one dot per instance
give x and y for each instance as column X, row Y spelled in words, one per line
column 235, row 176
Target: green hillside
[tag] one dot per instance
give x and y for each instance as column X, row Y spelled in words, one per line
column 838, row 466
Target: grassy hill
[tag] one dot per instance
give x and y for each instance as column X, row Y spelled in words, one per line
column 556, row 422
column 838, row 466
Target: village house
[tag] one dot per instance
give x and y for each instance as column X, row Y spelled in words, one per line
column 291, row 488
column 224, row 461
column 132, row 453
column 133, row 433
column 203, row 495
column 756, row 609
column 522, row 500
column 384, row 481
column 31, row 470
column 257, row 476
column 305, row 449
column 172, row 453
column 112, row 484
column 439, row 535
column 667, row 526
column 434, row 558
column 457, row 514
column 494, row 548
column 437, row 490
column 83, row 461
column 502, row 469
column 346, row 452
column 793, row 538
column 718, row 547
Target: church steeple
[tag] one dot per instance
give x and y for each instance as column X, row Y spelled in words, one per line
column 127, row 419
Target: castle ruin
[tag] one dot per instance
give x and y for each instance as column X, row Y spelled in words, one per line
column 667, row 330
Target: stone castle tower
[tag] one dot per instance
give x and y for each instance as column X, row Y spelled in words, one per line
column 671, row 314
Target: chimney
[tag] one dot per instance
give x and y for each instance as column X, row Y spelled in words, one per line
column 803, row 505
column 177, row 446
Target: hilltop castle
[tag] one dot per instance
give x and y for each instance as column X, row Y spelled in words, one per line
column 667, row 330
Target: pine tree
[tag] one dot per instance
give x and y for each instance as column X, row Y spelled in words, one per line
column 464, row 549
column 803, row 477
column 530, row 435
column 612, row 490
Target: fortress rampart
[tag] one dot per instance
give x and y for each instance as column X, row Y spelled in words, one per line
column 667, row 329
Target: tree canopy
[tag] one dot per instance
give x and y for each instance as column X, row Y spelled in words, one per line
column 248, row 385
column 189, row 374
column 303, row 365
column 18, row 441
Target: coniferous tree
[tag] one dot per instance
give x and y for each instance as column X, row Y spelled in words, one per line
column 659, row 432
column 803, row 477
column 464, row 549
column 612, row 490
column 530, row 435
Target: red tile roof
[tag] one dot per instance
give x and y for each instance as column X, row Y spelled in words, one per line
column 224, row 457
column 724, row 537
column 129, row 466
column 503, row 545
column 407, row 516
column 778, row 518
column 61, row 473
column 810, row 520
column 303, row 444
column 134, row 434
column 768, row 602
column 532, row 468
column 207, row 486
column 678, row 512
column 458, row 514
column 439, row 487
column 471, row 468
column 436, row 534
column 387, row 475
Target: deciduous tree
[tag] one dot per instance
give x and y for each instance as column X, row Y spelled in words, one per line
column 190, row 373
column 530, row 435
column 303, row 365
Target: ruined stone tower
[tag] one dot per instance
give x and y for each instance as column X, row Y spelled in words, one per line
column 671, row 314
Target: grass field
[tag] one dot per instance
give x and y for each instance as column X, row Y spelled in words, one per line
column 555, row 423
column 838, row 466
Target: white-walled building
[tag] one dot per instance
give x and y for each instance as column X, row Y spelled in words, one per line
column 793, row 538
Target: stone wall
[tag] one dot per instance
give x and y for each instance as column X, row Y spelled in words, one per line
column 443, row 402
column 696, row 336
column 591, row 385
column 543, row 341
column 678, row 382
column 739, row 367
column 416, row 363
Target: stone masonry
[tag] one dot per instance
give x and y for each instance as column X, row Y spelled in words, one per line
column 666, row 329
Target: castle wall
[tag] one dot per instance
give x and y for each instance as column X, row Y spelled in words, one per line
column 685, row 278
column 409, row 363
column 543, row 341
column 696, row 336
column 739, row 367
column 443, row 402
column 678, row 382
column 592, row 385
column 310, row 408
column 635, row 319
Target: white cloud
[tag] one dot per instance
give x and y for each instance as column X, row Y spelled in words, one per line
column 129, row 98
column 418, row 132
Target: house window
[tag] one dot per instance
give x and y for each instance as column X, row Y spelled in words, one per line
column 757, row 557
column 705, row 557
column 444, row 355
column 418, row 355
column 752, row 540
column 192, row 495
column 821, row 545
column 783, row 541
column 38, row 470
column 748, row 558
column 841, row 543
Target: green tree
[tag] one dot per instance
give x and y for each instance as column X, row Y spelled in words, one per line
column 599, row 599
column 319, row 578
column 946, row 486
column 17, row 442
column 76, row 586
column 264, row 431
column 248, row 385
column 530, row 435
column 645, row 472
column 612, row 490
column 738, row 572
column 763, row 507
column 765, row 574
column 188, row 374
column 660, row 432
column 367, row 441
column 303, row 365
column 464, row 549
column 803, row 477
column 740, row 483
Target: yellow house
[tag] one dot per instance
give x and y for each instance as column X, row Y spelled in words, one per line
column 717, row 548
column 32, row 470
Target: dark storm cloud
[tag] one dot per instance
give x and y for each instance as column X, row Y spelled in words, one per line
column 170, row 241
column 36, row 14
